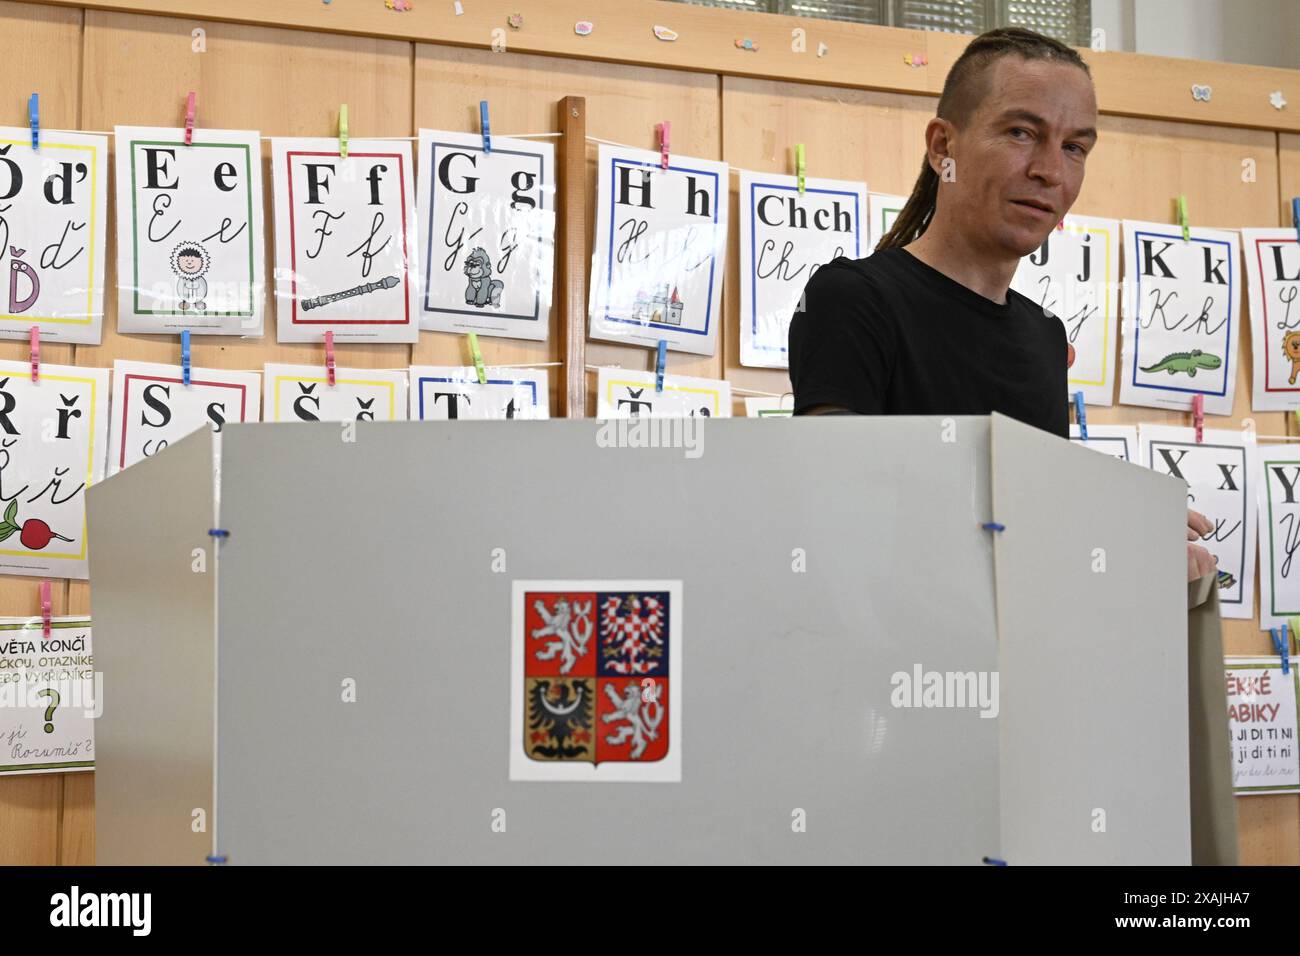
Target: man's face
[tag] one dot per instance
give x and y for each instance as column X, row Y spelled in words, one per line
column 189, row 264
column 1019, row 161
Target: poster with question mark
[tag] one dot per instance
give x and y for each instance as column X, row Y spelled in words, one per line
column 49, row 696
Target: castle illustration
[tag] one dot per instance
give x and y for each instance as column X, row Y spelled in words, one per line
column 661, row 307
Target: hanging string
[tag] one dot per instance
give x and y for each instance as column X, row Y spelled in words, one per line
column 399, row 139
column 403, row 368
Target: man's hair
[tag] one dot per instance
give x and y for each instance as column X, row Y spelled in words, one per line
column 965, row 88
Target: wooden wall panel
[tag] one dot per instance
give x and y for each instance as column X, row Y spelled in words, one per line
column 42, row 46
column 95, row 68
column 857, row 55
column 137, row 70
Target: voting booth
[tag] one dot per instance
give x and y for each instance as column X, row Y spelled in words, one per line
column 896, row 641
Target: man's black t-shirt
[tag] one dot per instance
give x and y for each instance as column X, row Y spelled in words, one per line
column 889, row 335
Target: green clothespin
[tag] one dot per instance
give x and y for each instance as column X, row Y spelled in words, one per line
column 799, row 165
column 1182, row 218
column 478, row 358
column 343, row 131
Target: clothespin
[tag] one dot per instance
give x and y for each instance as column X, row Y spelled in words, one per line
column 1286, row 639
column 663, row 144
column 34, row 117
column 1295, row 215
column 1081, row 415
column 185, row 357
column 799, row 165
column 189, row 119
column 1198, row 415
column 329, row 358
column 1060, row 226
column 660, row 360
column 1182, row 219
column 486, row 126
column 36, row 353
column 478, row 359
column 46, row 606
column 1282, row 644
column 343, row 131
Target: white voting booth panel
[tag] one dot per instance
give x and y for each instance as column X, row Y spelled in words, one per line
column 817, row 563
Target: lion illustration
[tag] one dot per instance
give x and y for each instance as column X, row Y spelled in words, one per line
column 1291, row 349
column 482, row 289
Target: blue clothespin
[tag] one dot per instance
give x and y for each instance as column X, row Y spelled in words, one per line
column 992, row 861
column 1081, row 415
column 660, row 360
column 34, row 115
column 483, row 122
column 1295, row 215
column 993, row 526
column 1282, row 644
column 185, row 357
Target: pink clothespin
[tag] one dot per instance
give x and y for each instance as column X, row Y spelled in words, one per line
column 36, row 353
column 663, row 145
column 1198, row 415
column 329, row 357
column 1060, row 226
column 189, row 119
column 45, row 608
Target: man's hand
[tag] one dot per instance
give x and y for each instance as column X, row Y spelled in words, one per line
column 1199, row 561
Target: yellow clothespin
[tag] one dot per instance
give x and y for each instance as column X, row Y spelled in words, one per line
column 478, row 358
column 343, row 131
column 799, row 164
column 1182, row 218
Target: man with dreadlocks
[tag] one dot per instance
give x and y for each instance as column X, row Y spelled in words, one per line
column 929, row 324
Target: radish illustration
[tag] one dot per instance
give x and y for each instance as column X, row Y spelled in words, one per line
column 34, row 533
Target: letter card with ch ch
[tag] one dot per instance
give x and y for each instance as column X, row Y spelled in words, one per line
column 596, row 681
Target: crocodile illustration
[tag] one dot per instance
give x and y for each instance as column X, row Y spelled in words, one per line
column 1187, row 362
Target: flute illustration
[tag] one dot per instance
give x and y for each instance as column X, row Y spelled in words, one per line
column 362, row 289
